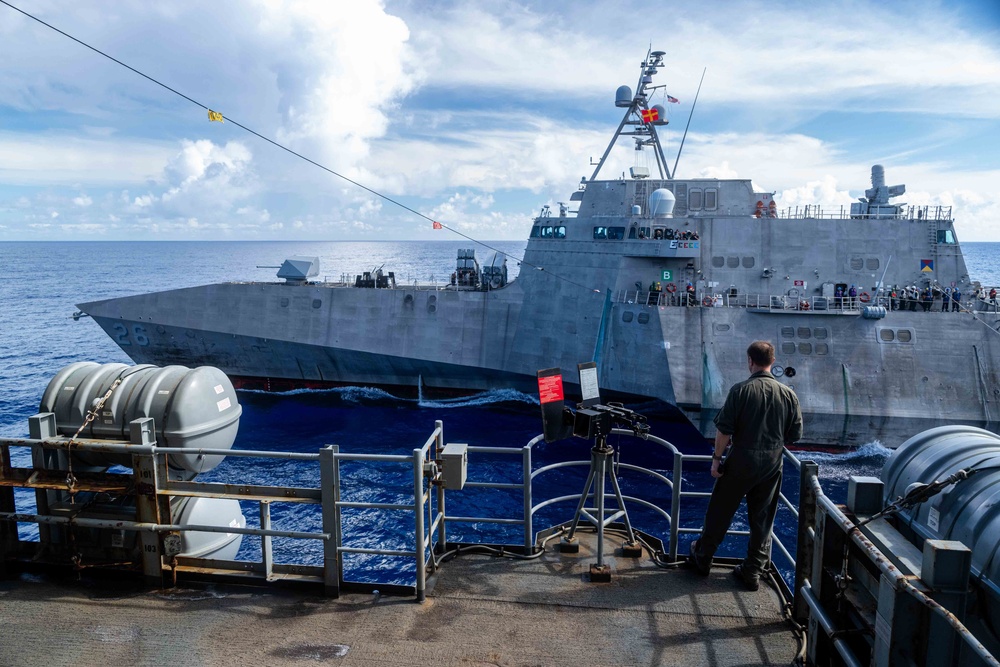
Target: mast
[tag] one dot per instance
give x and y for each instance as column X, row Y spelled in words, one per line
column 644, row 131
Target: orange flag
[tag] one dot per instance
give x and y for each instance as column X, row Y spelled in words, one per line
column 437, row 225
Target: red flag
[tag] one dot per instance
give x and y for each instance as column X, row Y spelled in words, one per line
column 437, row 225
column 673, row 100
column 650, row 115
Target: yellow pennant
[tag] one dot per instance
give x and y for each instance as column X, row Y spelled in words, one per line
column 215, row 115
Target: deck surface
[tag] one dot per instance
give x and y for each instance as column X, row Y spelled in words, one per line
column 482, row 611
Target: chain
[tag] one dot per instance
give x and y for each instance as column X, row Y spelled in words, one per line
column 91, row 416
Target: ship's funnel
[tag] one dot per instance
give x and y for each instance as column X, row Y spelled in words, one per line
column 661, row 203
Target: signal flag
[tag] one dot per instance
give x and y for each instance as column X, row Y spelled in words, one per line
column 437, row 225
column 650, row 115
column 215, row 115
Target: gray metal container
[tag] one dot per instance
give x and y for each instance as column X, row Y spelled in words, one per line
column 968, row 511
column 190, row 408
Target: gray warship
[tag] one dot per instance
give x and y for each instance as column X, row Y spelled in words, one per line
column 661, row 280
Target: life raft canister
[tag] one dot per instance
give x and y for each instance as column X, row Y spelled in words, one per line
column 864, row 297
column 803, row 305
column 772, row 210
column 671, row 288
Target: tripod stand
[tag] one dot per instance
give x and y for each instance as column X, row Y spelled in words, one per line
column 600, row 462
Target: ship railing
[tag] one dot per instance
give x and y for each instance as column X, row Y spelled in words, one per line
column 848, row 588
column 936, row 213
column 758, row 302
column 151, row 485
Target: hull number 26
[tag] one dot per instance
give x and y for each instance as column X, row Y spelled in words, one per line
column 122, row 336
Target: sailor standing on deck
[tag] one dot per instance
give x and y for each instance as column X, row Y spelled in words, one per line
column 760, row 416
column 945, row 299
column 956, row 300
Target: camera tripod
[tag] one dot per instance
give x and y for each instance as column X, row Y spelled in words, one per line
column 600, row 462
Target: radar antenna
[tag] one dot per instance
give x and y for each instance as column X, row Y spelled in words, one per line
column 638, row 114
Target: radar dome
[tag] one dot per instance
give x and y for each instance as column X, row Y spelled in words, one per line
column 623, row 98
column 661, row 114
column 661, row 203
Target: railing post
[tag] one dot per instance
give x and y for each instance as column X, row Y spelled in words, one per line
column 803, row 544
column 266, row 553
column 675, row 505
column 8, row 529
column 148, row 508
column 420, row 542
column 529, row 532
column 442, row 534
column 329, row 479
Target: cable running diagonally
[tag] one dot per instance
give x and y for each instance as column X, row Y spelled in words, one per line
column 299, row 155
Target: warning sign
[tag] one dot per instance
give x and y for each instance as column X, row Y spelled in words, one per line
column 550, row 389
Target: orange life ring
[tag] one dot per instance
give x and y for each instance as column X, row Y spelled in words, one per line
column 671, row 288
column 707, row 301
column 864, row 297
column 760, row 209
column 803, row 305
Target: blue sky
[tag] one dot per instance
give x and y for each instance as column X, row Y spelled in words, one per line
column 475, row 113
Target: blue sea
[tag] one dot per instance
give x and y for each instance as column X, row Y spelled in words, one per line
column 42, row 282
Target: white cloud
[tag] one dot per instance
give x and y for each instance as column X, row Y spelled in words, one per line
column 83, row 201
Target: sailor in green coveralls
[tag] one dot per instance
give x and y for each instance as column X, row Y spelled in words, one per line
column 760, row 416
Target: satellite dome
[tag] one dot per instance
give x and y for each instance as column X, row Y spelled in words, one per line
column 661, row 203
column 661, row 114
column 623, row 97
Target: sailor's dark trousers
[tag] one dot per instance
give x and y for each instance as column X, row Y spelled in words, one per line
column 755, row 475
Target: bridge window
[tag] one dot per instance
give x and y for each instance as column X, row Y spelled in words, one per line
column 546, row 232
column 945, row 236
column 694, row 199
column 536, row 231
column 559, row 232
column 711, row 199
column 612, row 233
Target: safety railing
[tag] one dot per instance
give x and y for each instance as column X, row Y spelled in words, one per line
column 756, row 302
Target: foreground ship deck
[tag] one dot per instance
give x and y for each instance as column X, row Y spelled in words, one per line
column 480, row 611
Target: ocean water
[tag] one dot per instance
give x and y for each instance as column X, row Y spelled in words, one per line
column 42, row 282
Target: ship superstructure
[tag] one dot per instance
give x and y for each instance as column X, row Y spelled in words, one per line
column 663, row 281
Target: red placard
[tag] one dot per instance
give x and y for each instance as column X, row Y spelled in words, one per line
column 550, row 389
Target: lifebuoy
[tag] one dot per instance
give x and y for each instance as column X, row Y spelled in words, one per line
column 864, row 297
column 772, row 210
column 803, row 305
column 760, row 209
column 707, row 301
column 671, row 288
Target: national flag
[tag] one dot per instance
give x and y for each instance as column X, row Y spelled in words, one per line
column 650, row 115
column 673, row 100
column 215, row 115
column 437, row 225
